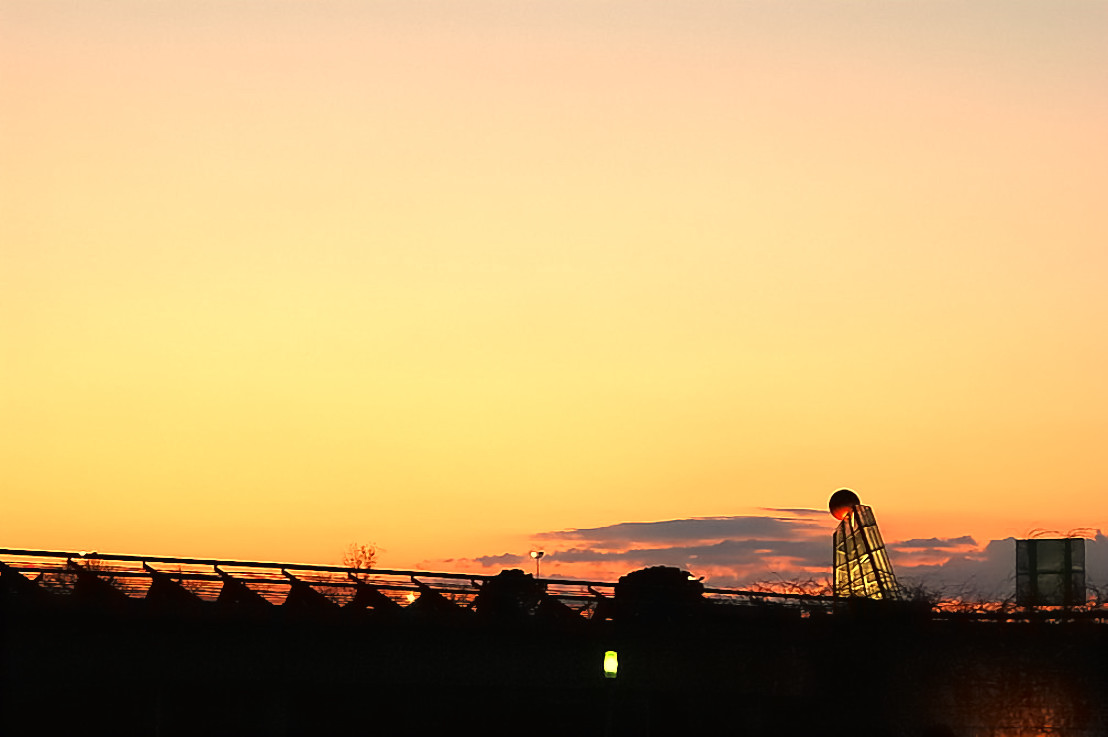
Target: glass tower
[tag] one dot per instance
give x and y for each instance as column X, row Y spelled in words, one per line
column 862, row 567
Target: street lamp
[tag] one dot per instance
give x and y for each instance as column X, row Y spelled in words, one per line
column 536, row 554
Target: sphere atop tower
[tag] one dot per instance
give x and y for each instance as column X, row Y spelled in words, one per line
column 842, row 501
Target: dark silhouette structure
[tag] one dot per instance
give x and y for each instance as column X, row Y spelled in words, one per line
column 136, row 645
column 1050, row 572
column 659, row 594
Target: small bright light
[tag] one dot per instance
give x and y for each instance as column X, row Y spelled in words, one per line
column 410, row 597
column 611, row 664
column 536, row 554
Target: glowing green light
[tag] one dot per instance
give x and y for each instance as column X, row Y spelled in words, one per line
column 611, row 664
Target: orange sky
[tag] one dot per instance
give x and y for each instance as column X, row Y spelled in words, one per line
column 278, row 276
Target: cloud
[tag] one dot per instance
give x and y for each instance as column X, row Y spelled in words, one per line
column 726, row 551
column 800, row 511
column 984, row 573
column 805, row 553
column 935, row 543
column 930, row 551
column 678, row 532
column 503, row 560
column 784, row 544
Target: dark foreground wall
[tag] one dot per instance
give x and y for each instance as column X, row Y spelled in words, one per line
column 67, row 670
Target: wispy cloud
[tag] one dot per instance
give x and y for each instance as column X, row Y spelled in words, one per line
column 935, row 543
column 503, row 561
column 796, row 511
column 682, row 532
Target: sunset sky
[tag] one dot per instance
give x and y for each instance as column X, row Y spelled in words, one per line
column 470, row 277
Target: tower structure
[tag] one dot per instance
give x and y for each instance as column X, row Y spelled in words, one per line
column 861, row 567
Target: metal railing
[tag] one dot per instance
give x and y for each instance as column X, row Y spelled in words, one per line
column 209, row 579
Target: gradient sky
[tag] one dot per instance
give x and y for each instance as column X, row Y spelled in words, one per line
column 458, row 277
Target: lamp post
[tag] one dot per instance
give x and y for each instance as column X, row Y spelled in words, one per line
column 536, row 554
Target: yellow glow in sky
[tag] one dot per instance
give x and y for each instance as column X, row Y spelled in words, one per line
column 281, row 276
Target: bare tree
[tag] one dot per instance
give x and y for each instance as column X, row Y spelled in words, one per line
column 64, row 579
column 360, row 557
column 810, row 586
